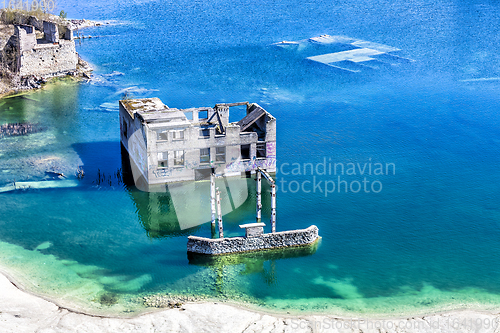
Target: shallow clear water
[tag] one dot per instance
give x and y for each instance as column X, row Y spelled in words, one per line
column 428, row 240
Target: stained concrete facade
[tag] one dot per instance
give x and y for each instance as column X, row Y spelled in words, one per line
column 171, row 145
column 51, row 56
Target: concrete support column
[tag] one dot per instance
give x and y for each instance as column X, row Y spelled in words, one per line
column 273, row 207
column 212, row 197
column 212, row 203
column 259, row 195
column 221, row 232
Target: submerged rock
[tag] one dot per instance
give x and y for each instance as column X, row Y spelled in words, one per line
column 44, row 246
column 168, row 301
column 108, row 299
column 16, row 129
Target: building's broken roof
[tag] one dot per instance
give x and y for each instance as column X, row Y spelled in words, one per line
column 134, row 106
column 153, row 113
column 251, row 118
column 152, row 110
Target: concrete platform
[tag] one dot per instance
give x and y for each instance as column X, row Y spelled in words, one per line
column 356, row 55
column 217, row 246
column 39, row 185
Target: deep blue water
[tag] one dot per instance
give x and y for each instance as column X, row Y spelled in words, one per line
column 427, row 240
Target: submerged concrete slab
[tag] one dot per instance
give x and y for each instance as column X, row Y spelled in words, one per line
column 39, row 185
column 356, row 55
column 375, row 46
column 352, row 55
column 327, row 39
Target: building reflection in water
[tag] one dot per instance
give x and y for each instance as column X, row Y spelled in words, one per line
column 177, row 209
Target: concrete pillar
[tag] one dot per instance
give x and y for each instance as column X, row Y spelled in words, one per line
column 221, row 232
column 273, row 207
column 212, row 203
column 213, row 232
column 259, row 195
column 212, row 197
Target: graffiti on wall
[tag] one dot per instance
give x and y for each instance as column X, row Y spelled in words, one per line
column 271, row 150
column 238, row 165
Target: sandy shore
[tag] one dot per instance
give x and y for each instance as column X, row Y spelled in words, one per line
column 22, row 312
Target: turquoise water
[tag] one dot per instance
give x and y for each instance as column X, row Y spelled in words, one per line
column 428, row 240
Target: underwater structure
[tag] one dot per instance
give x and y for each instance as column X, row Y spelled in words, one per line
column 168, row 145
column 255, row 239
column 346, row 54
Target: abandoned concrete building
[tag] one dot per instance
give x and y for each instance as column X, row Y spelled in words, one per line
column 52, row 55
column 171, row 145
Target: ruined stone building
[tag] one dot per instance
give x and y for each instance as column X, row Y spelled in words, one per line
column 52, row 55
column 170, row 145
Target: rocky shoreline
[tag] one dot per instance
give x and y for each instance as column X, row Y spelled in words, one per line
column 168, row 301
column 11, row 82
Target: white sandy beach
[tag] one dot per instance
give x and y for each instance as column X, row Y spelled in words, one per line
column 22, row 312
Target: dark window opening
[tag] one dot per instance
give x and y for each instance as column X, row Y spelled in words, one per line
column 179, row 157
column 203, row 114
column 220, row 154
column 178, row 135
column 202, row 174
column 245, row 152
column 205, row 133
column 125, row 129
column 261, row 150
column 162, row 135
column 163, row 160
column 204, row 155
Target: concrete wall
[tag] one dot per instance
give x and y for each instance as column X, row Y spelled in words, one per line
column 51, row 32
column 48, row 59
column 270, row 163
column 32, row 20
column 191, row 146
column 242, row 244
column 133, row 138
column 26, row 37
column 65, row 32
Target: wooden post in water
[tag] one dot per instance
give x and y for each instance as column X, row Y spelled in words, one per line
column 273, row 207
column 221, row 232
column 259, row 195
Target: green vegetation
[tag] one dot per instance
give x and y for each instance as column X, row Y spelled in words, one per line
column 21, row 16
